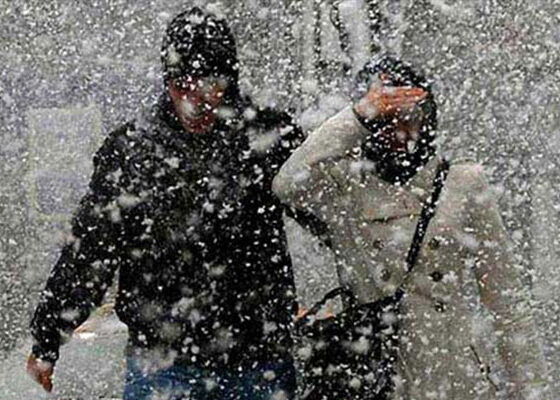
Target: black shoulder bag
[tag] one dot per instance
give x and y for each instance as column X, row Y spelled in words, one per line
column 353, row 354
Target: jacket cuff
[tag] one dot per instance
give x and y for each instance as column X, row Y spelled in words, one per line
column 371, row 125
column 45, row 354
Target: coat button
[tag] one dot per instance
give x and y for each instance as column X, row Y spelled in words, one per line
column 436, row 276
column 434, row 243
column 385, row 275
column 440, row 306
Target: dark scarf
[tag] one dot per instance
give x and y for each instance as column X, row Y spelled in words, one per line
column 396, row 167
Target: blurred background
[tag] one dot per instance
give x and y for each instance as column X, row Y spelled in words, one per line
column 71, row 71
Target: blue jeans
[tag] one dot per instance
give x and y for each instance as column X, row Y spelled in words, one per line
column 272, row 381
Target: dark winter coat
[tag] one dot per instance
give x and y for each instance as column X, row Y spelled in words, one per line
column 192, row 227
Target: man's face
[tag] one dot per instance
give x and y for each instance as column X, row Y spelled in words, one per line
column 196, row 101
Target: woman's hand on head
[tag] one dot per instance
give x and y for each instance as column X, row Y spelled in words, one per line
column 387, row 101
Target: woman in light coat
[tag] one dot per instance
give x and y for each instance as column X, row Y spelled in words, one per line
column 466, row 330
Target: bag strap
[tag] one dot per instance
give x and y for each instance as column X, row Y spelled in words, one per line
column 427, row 213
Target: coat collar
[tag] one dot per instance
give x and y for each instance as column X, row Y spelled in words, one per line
column 382, row 201
column 422, row 183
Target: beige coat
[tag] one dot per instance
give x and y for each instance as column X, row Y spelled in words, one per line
column 467, row 330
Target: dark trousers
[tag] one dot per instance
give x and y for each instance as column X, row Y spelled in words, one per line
column 259, row 381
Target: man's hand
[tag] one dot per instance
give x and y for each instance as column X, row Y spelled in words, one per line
column 41, row 371
column 386, row 101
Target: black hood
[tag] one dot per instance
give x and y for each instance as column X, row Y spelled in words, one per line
column 199, row 44
column 397, row 166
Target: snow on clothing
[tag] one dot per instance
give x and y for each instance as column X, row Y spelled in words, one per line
column 466, row 327
column 192, row 225
column 189, row 221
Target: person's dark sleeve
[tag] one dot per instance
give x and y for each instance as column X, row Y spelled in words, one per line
column 289, row 137
column 85, row 269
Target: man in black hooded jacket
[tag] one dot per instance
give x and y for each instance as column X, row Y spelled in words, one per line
column 180, row 203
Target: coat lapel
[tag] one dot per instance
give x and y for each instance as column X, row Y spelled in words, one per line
column 381, row 201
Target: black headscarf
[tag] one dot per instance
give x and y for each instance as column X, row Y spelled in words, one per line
column 397, row 166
